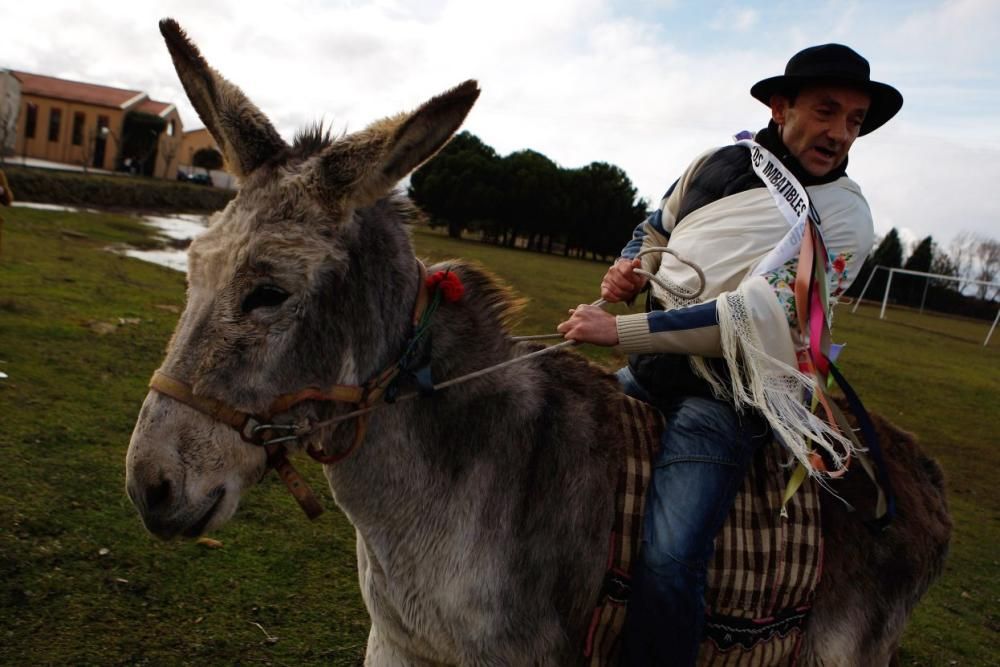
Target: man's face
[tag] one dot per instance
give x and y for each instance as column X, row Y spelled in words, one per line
column 821, row 125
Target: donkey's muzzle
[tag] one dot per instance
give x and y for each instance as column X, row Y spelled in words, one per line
column 167, row 512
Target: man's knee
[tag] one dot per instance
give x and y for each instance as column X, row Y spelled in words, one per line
column 706, row 430
column 679, row 563
column 696, row 415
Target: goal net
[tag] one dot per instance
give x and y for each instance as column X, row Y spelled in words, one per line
column 928, row 277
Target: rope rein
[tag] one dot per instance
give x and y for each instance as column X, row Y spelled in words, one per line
column 600, row 303
column 457, row 380
column 670, row 288
column 380, row 390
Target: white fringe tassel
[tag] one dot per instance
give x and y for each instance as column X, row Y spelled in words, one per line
column 771, row 386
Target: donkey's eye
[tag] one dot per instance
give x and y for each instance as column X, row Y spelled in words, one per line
column 264, row 296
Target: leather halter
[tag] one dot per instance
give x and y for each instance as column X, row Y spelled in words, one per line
column 259, row 430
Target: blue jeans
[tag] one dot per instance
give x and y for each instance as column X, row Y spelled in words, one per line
column 706, row 450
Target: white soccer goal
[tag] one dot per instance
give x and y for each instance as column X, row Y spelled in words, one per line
column 936, row 276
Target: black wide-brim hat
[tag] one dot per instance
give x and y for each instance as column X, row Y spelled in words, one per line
column 834, row 63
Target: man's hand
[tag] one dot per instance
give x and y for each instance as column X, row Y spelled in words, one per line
column 590, row 324
column 621, row 283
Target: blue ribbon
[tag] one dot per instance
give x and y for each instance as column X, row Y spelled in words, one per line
column 874, row 446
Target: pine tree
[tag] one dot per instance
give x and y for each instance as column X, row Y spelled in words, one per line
column 920, row 260
column 889, row 253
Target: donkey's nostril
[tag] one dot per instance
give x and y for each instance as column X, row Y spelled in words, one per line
column 158, row 494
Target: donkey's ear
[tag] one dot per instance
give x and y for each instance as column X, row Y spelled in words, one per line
column 366, row 165
column 425, row 131
column 244, row 134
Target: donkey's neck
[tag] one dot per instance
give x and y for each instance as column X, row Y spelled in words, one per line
column 453, row 494
column 373, row 305
column 413, row 448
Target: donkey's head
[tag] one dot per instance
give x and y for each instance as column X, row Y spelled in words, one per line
column 297, row 282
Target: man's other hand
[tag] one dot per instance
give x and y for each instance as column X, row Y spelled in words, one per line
column 621, row 283
column 590, row 324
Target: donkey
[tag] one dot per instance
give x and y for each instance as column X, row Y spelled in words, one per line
column 482, row 511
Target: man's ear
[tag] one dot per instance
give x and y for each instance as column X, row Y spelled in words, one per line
column 779, row 107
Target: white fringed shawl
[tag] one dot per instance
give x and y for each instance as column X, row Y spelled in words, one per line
column 760, row 356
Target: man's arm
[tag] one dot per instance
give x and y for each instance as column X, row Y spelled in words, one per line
column 847, row 230
column 619, row 283
column 652, row 227
column 849, row 234
column 689, row 330
column 693, row 330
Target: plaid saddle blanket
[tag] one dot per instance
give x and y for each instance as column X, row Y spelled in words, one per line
column 765, row 570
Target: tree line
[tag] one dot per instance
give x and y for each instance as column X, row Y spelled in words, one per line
column 968, row 257
column 526, row 200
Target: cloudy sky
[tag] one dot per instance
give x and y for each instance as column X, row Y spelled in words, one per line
column 645, row 84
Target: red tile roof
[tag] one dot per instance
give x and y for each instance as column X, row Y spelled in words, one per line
column 76, row 91
column 154, row 107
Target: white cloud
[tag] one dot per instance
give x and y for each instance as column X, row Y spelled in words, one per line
column 738, row 20
column 960, row 34
column 929, row 185
column 577, row 80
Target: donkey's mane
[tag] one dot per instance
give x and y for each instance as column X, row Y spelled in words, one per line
column 311, row 140
column 488, row 295
column 497, row 300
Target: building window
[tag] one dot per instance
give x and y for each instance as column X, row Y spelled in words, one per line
column 31, row 120
column 170, row 129
column 100, row 142
column 78, row 120
column 55, row 120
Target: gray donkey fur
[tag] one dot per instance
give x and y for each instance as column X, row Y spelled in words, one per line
column 483, row 512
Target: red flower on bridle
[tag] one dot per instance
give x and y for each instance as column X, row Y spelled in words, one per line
column 448, row 283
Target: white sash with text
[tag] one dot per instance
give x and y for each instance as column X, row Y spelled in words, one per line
column 791, row 199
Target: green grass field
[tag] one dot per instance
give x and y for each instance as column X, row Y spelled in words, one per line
column 81, row 330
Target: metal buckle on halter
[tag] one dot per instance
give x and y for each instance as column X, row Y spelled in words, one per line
column 253, row 432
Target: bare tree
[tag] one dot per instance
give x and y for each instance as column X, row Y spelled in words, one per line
column 88, row 148
column 169, row 147
column 3, row 138
column 943, row 264
column 8, row 126
column 987, row 253
column 962, row 251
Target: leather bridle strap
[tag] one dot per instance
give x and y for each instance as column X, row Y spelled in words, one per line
column 217, row 410
column 277, row 457
column 363, row 398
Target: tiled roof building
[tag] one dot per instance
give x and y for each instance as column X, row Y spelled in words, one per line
column 91, row 125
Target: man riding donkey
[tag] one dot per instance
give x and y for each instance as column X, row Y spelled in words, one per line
column 739, row 355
